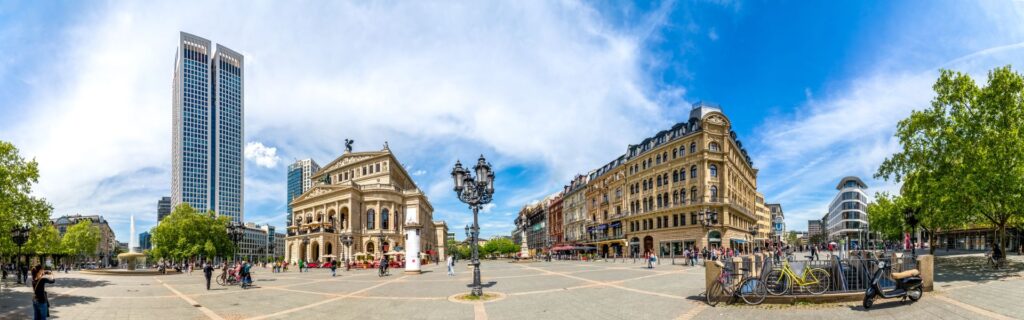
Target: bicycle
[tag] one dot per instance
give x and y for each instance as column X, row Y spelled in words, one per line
column 995, row 263
column 227, row 280
column 779, row 281
column 751, row 290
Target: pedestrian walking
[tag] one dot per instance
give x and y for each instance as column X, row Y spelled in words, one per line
column 451, row 266
column 40, row 303
column 302, row 264
column 208, row 273
column 334, row 268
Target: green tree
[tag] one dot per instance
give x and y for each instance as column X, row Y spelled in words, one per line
column 17, row 206
column 961, row 158
column 886, row 216
column 791, row 238
column 44, row 241
column 82, row 239
column 186, row 233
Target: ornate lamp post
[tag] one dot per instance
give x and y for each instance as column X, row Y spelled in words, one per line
column 910, row 216
column 753, row 236
column 346, row 239
column 20, row 235
column 706, row 219
column 476, row 192
column 235, row 233
column 380, row 240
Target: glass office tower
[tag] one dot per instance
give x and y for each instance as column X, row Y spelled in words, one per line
column 208, row 127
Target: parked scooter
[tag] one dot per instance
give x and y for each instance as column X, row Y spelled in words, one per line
column 908, row 285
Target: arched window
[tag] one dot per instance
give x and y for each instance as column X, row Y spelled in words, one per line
column 693, row 171
column 384, row 218
column 682, row 196
column 657, row 159
column 682, row 174
column 714, row 170
column 665, row 178
column 714, row 194
column 713, row 146
column 682, row 151
column 659, row 181
column 675, row 175
column 370, row 214
column 693, row 194
column 675, row 197
column 693, row 147
column 664, row 156
column 674, row 153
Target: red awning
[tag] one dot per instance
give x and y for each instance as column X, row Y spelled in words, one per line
column 562, row 248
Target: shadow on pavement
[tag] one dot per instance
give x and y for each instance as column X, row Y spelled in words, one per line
column 484, row 285
column 882, row 305
column 974, row 269
column 78, row 282
column 22, row 302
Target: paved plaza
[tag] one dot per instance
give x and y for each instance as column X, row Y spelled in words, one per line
column 539, row 290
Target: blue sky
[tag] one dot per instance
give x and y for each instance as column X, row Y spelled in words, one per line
column 544, row 89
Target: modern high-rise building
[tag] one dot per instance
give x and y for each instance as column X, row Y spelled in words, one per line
column 208, row 126
column 145, row 241
column 813, row 227
column 847, row 218
column 163, row 208
column 298, row 180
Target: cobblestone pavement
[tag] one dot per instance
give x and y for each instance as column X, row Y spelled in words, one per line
column 540, row 290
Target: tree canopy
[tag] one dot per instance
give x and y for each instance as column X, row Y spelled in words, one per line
column 82, row 238
column 17, row 206
column 186, row 233
column 961, row 158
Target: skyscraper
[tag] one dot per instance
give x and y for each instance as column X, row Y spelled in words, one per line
column 298, row 180
column 163, row 208
column 208, row 112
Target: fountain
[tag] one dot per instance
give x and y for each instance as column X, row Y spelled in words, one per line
column 131, row 258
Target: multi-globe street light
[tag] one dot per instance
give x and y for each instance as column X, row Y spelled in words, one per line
column 476, row 192
column 706, row 219
column 19, row 234
column 235, row 234
column 753, row 236
column 346, row 240
column 910, row 215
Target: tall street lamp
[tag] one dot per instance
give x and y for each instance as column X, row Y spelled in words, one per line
column 910, row 215
column 753, row 236
column 235, row 233
column 476, row 192
column 20, row 235
column 346, row 239
column 706, row 219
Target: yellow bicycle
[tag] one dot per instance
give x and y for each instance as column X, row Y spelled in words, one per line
column 780, row 281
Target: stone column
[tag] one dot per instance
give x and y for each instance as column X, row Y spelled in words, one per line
column 412, row 240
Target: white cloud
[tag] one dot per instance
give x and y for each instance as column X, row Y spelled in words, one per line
column 438, row 82
column 419, row 172
column 713, row 35
column 263, row 156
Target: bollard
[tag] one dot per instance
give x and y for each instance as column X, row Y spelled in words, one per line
column 711, row 272
column 926, row 266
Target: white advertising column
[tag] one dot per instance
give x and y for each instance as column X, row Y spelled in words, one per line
column 412, row 240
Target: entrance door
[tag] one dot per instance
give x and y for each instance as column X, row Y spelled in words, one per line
column 648, row 245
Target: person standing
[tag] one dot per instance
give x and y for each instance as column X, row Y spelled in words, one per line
column 40, row 303
column 334, row 268
column 302, row 264
column 451, row 266
column 208, row 273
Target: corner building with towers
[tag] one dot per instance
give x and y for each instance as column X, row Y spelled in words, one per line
column 658, row 196
column 208, row 108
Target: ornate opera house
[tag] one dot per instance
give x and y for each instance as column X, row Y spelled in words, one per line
column 361, row 205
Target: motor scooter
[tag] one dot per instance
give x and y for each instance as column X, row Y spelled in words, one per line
column 908, row 285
